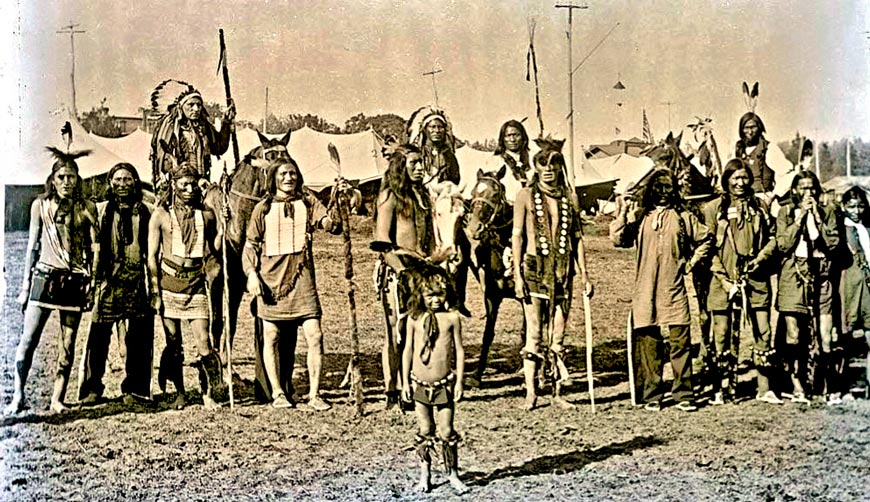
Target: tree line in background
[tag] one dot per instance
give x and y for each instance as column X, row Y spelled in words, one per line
column 832, row 155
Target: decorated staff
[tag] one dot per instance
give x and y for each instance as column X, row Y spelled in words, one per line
column 222, row 67
column 340, row 197
column 228, row 345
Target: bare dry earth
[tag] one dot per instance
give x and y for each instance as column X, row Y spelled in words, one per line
column 747, row 451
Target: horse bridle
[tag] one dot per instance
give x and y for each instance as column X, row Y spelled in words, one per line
column 495, row 206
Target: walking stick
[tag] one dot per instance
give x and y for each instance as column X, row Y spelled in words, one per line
column 356, row 388
column 226, row 292
column 629, row 342
column 587, row 314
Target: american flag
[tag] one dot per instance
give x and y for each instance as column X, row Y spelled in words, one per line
column 647, row 133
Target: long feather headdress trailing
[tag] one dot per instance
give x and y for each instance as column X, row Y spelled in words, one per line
column 420, row 118
column 166, row 95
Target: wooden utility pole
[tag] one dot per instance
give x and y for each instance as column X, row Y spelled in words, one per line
column 434, row 88
column 570, row 6
column 71, row 29
column 266, row 112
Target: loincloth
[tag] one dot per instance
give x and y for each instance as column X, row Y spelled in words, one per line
column 183, row 291
column 547, row 277
column 123, row 295
column 56, row 288
column 438, row 393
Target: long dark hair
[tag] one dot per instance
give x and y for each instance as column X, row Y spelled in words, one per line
column 801, row 175
column 648, row 203
column 272, row 184
column 183, row 170
column 396, row 178
column 732, row 167
column 125, row 229
column 524, row 142
column 856, row 192
column 50, row 191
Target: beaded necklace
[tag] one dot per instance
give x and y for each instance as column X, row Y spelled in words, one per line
column 543, row 227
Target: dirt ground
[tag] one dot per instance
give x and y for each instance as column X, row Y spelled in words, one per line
column 744, row 451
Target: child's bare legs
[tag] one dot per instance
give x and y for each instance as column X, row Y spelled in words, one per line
column 35, row 318
column 532, row 311
column 425, row 444
column 314, row 360
column 171, row 361
column 449, row 446
column 69, row 324
column 828, row 367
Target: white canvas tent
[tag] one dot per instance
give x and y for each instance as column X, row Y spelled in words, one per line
column 360, row 154
column 626, row 169
column 34, row 164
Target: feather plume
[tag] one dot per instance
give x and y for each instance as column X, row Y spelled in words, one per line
column 67, row 158
column 333, row 155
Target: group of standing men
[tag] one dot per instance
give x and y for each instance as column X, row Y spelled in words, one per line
column 735, row 246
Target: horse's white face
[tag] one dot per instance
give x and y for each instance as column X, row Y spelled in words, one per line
column 447, row 209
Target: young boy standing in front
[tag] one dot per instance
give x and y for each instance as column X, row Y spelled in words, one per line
column 434, row 342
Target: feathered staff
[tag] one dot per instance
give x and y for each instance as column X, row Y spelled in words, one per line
column 340, row 199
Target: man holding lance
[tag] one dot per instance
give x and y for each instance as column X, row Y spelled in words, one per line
column 546, row 242
column 185, row 132
column 183, row 239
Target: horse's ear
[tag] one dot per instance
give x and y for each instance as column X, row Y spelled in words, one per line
column 479, row 173
column 263, row 139
column 501, row 172
column 285, row 139
column 678, row 138
column 670, row 137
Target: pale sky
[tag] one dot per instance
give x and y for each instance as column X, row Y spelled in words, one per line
column 335, row 59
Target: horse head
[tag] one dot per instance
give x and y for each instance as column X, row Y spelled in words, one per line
column 487, row 202
column 448, row 208
column 668, row 155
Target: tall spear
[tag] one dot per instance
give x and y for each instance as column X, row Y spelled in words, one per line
column 340, row 198
column 225, row 182
column 222, row 66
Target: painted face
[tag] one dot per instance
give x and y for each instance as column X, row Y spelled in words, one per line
column 548, row 171
column 854, row 209
column 436, row 130
column 186, row 188
column 513, row 139
column 286, row 178
column 122, row 183
column 738, row 183
column 414, row 167
column 806, row 190
column 435, row 299
column 192, row 108
column 64, row 181
column 663, row 189
column 750, row 131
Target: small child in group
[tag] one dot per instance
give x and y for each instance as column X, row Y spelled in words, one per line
column 855, row 285
column 433, row 347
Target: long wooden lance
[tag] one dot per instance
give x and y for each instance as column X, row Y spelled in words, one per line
column 222, row 66
column 228, row 345
column 340, row 198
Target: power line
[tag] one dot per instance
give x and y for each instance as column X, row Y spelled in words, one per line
column 71, row 29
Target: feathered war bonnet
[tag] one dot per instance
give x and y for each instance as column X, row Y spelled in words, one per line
column 421, row 118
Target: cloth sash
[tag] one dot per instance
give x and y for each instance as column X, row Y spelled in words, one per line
column 192, row 247
column 54, row 238
column 286, row 227
column 863, row 236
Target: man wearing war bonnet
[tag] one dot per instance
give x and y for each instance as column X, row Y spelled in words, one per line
column 62, row 251
column 183, row 240
column 547, row 244
column 186, row 130
column 430, row 130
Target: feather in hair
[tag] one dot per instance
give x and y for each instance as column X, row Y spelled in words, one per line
column 67, row 158
column 165, row 96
